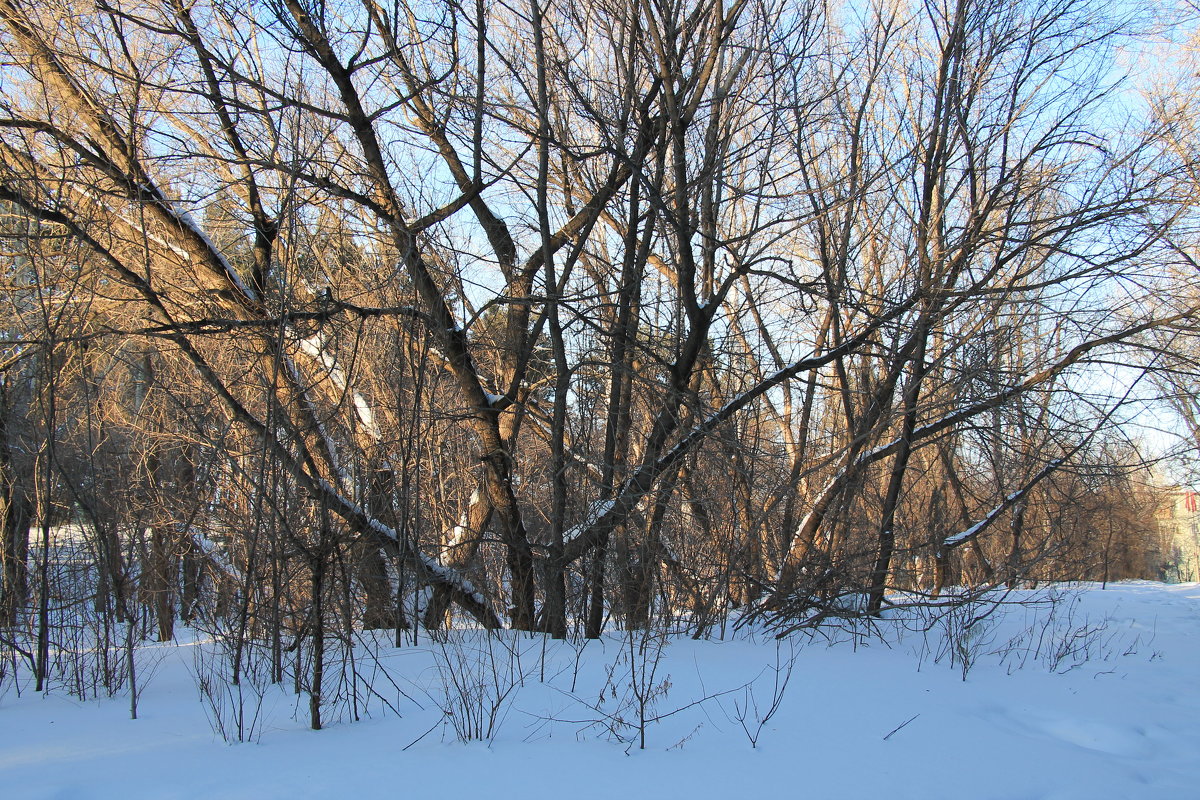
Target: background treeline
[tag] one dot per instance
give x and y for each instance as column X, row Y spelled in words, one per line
column 322, row 316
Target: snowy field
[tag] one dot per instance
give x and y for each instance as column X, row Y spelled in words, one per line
column 1095, row 696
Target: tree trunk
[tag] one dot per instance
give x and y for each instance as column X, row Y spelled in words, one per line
column 14, row 553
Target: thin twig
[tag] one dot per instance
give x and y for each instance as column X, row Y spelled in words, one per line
column 900, row 726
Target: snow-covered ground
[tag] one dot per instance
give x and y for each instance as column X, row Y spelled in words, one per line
column 1026, row 716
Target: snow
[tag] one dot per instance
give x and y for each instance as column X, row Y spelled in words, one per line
column 596, row 512
column 331, row 451
column 185, row 219
column 1030, row 716
column 429, row 563
column 974, row 530
column 212, row 551
column 316, row 348
column 461, row 532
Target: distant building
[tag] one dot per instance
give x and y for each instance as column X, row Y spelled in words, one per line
column 1179, row 523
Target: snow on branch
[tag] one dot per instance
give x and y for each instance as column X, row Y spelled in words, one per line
column 596, row 512
column 187, row 223
column 428, row 568
column 956, row 539
column 316, row 348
